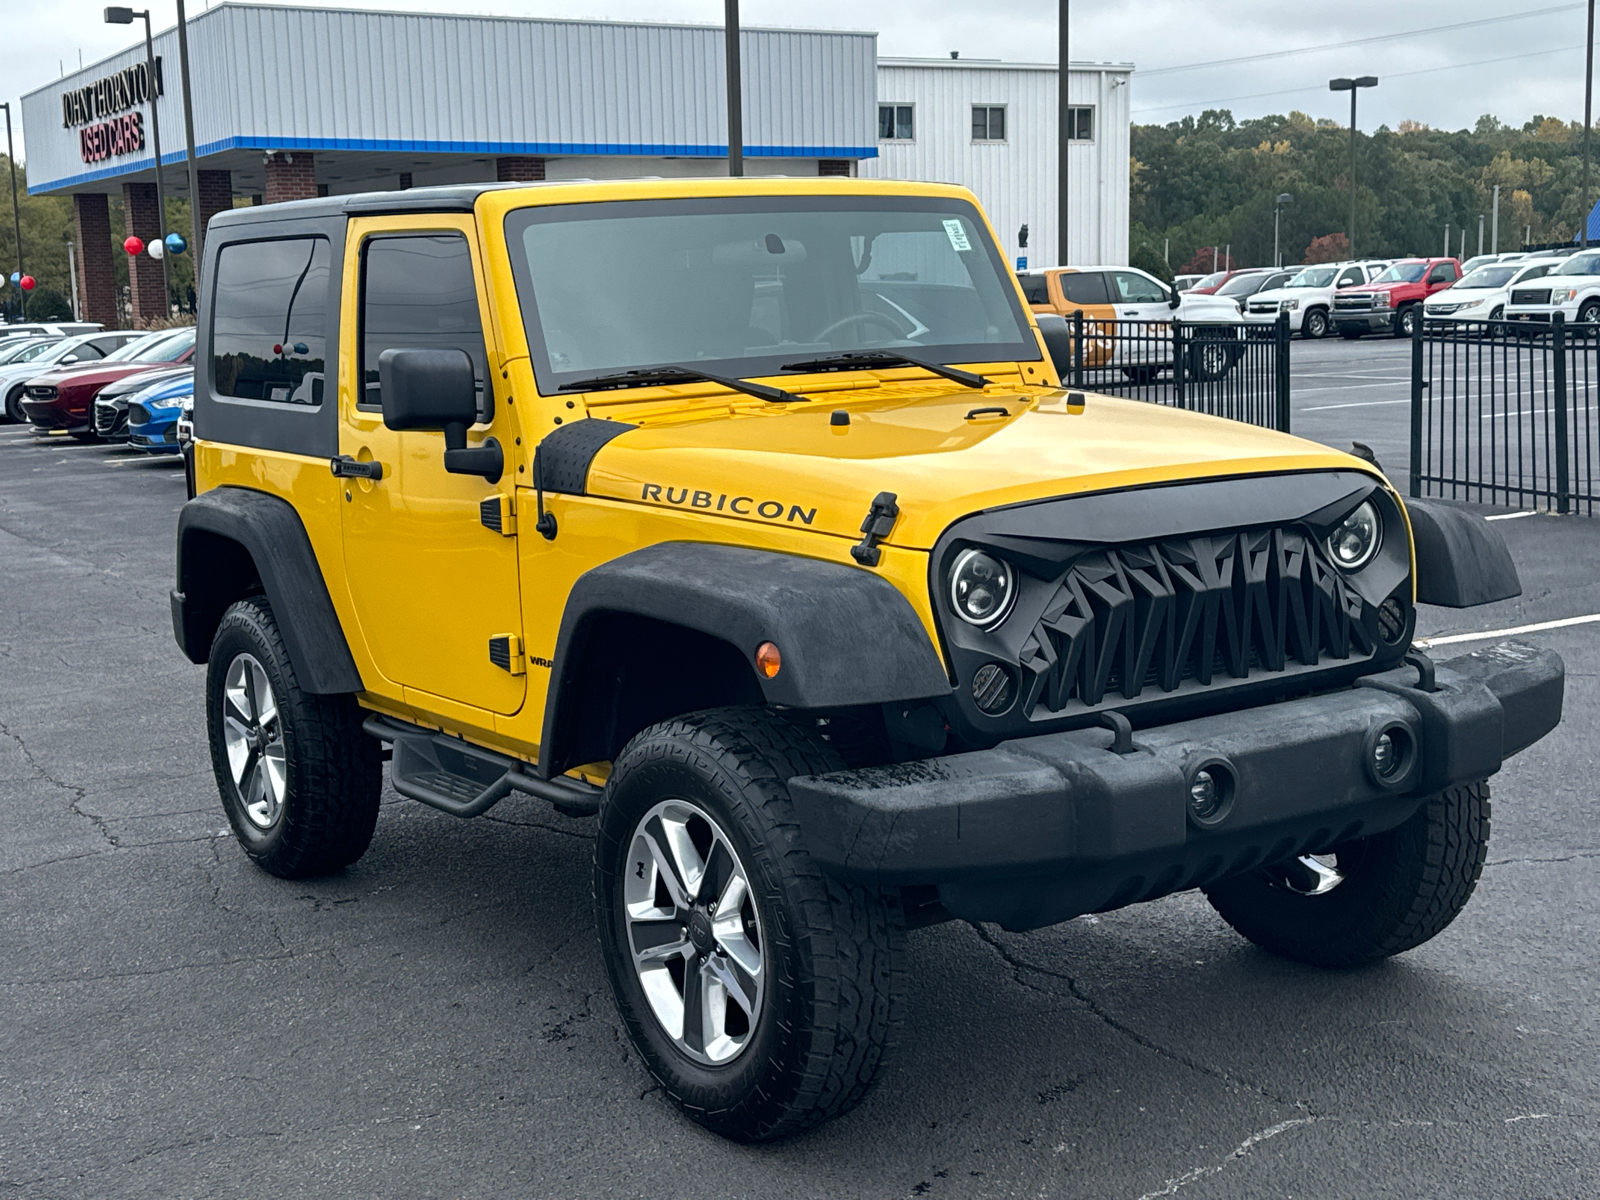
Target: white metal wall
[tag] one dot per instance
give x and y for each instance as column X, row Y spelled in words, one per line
column 330, row 79
column 1016, row 179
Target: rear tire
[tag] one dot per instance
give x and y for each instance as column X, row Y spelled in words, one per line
column 820, row 1009
column 299, row 778
column 1399, row 889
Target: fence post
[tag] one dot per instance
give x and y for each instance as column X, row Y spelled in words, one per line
column 1281, row 362
column 1077, row 347
column 1179, row 367
column 1418, row 386
column 1558, row 401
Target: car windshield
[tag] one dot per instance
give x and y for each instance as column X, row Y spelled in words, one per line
column 1580, row 264
column 1313, row 277
column 1211, row 280
column 740, row 286
column 29, row 350
column 59, row 350
column 1406, row 272
column 1489, row 277
column 164, row 346
column 1242, row 285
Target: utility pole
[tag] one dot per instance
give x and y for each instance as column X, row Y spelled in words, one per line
column 16, row 213
column 1588, row 118
column 196, row 225
column 125, row 16
column 1480, row 233
column 730, row 10
column 1277, row 212
column 1063, row 131
column 1446, row 253
column 1494, row 226
column 72, row 269
column 1352, row 86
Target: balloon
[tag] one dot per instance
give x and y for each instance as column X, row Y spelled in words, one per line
column 176, row 244
column 26, row 283
column 155, row 250
column 134, row 245
column 15, row 276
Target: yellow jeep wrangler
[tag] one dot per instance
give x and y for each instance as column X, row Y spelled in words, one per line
column 749, row 517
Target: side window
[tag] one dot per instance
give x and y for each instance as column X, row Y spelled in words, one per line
column 1443, row 273
column 269, row 321
column 1374, row 272
column 417, row 291
column 1136, row 289
column 1535, row 273
column 1036, row 289
column 1084, row 287
column 1353, row 275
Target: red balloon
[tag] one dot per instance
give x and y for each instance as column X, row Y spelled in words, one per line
column 26, row 283
column 134, row 245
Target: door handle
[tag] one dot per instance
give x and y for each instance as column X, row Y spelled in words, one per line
column 346, row 467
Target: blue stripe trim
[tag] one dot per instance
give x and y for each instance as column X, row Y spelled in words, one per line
column 391, row 146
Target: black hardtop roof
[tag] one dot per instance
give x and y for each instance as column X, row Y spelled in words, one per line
column 458, row 197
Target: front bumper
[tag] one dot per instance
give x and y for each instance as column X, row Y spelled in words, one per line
column 1042, row 829
column 51, row 414
column 1378, row 320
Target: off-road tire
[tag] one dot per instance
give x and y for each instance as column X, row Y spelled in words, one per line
column 333, row 770
column 1314, row 325
column 834, row 953
column 1400, row 888
column 14, row 412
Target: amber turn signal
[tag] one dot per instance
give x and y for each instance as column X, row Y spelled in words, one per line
column 768, row 661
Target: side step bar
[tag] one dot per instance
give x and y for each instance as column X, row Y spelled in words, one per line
column 464, row 780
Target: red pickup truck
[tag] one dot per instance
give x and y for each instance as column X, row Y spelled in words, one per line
column 1392, row 303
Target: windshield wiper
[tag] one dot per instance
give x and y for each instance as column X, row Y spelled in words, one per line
column 885, row 358
column 650, row 376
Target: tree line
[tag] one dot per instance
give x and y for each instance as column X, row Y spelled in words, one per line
column 1210, row 181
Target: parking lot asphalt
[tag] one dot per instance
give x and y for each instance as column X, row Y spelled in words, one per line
column 434, row 1021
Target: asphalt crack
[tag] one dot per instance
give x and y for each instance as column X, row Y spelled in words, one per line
column 77, row 794
column 1575, row 856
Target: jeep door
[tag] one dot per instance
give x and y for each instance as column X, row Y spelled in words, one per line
column 431, row 583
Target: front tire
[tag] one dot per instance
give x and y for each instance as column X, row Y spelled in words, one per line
column 1315, row 325
column 1387, row 894
column 708, row 905
column 1405, row 321
column 299, row 778
column 1589, row 312
column 14, row 412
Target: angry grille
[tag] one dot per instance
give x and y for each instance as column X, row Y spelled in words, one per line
column 1199, row 609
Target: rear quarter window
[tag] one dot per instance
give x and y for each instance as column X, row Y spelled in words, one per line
column 1085, row 287
column 269, row 320
column 1036, row 289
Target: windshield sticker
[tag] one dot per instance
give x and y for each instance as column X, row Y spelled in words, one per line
column 742, row 506
column 957, row 234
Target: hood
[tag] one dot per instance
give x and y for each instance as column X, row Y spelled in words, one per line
column 94, row 375
column 123, row 388
column 789, row 466
column 1359, row 289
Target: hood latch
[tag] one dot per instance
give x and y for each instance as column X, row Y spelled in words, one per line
column 880, row 520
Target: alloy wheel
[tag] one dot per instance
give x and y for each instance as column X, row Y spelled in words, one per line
column 252, row 733
column 694, row 932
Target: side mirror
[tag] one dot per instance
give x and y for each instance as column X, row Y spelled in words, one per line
column 436, row 389
column 1174, row 298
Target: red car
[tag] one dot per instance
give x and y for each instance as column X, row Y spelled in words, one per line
column 64, row 398
column 1211, row 283
column 1392, row 303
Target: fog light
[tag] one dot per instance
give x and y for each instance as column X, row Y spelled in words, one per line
column 1384, row 759
column 1210, row 794
column 991, row 689
column 1391, row 754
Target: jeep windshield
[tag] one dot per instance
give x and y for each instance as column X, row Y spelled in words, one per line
column 1315, row 277
column 742, row 286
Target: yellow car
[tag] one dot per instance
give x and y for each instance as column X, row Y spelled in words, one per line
column 749, row 517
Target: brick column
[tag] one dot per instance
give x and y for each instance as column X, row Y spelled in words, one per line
column 216, row 196
column 287, row 180
column 146, row 286
column 97, row 270
column 519, row 170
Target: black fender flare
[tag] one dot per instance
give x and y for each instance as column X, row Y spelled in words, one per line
column 281, row 560
column 1461, row 560
column 847, row 636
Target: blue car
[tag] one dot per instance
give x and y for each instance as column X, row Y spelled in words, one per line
column 153, row 414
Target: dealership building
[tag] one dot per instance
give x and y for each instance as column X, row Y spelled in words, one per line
column 293, row 102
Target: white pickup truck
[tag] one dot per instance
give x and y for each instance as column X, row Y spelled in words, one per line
column 1308, row 297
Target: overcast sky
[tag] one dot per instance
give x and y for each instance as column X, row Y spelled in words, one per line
column 1511, row 68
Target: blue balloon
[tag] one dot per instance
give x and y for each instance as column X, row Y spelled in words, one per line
column 16, row 276
column 176, row 243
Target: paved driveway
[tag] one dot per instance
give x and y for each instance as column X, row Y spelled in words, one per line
column 434, row 1021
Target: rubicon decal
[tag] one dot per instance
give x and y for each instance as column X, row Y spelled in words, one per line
column 739, row 506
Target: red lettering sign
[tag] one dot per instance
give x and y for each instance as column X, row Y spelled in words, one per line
column 113, row 138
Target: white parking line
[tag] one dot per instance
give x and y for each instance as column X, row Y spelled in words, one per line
column 1344, row 387
column 1356, row 404
column 1512, row 516
column 1451, row 639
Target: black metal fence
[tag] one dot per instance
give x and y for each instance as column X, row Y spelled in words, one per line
column 1235, row 371
column 1503, row 412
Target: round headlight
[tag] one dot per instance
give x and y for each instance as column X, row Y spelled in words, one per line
column 981, row 588
column 1357, row 539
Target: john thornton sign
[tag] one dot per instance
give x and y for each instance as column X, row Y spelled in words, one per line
column 106, row 98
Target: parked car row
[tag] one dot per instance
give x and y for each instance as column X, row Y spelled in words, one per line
column 111, row 385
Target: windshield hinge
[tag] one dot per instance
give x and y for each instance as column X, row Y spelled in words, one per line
column 880, row 520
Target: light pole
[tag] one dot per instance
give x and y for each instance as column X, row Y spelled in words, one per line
column 125, row 16
column 1277, row 212
column 1588, row 120
column 196, row 225
column 1063, row 131
column 16, row 213
column 1352, row 86
column 735, row 88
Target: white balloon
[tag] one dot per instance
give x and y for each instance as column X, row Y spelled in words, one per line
column 155, row 249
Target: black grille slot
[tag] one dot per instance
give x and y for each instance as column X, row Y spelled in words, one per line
column 1530, row 296
column 1201, row 610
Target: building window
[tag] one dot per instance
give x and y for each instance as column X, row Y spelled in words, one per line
column 895, row 123
column 988, row 123
column 1080, row 124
